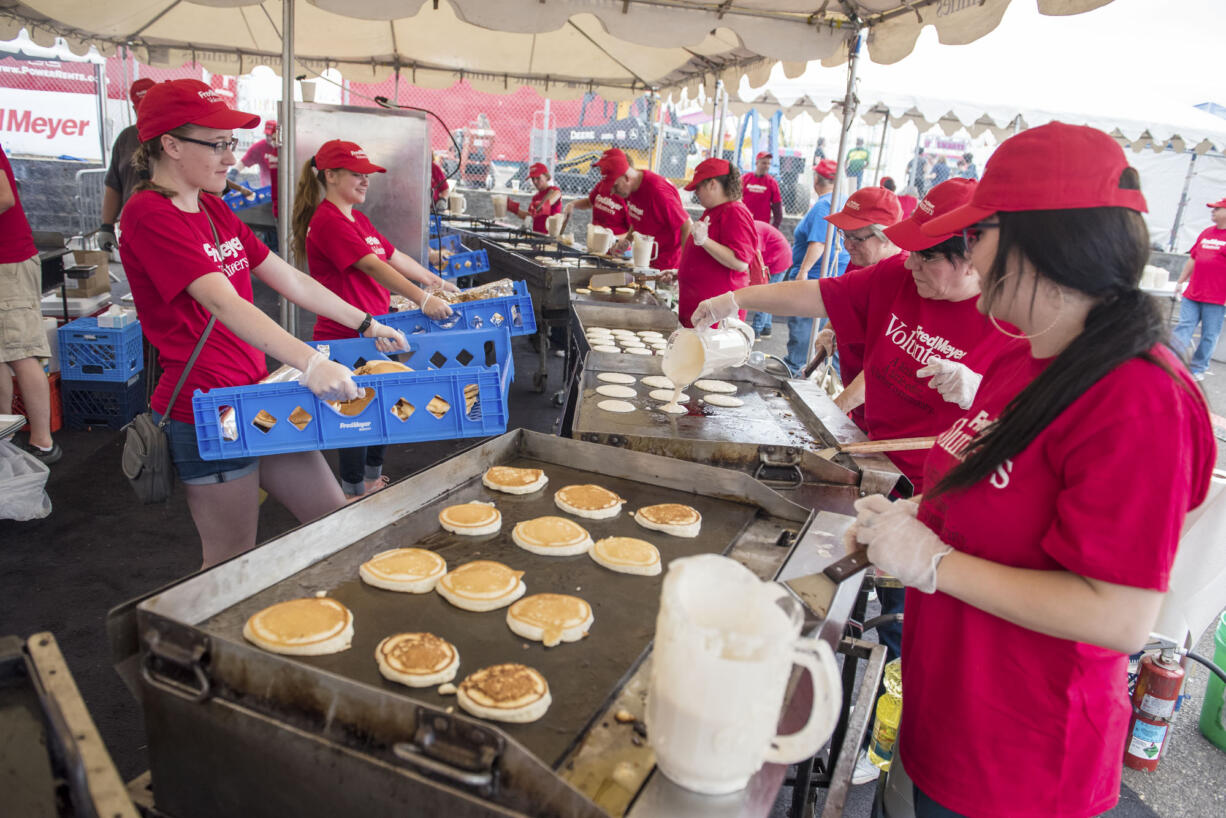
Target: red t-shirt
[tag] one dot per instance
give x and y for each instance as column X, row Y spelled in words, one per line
column 1208, row 282
column 999, row 719
column 759, row 193
column 438, row 182
column 163, row 251
column 609, row 209
column 700, row 276
column 776, row 252
column 333, row 245
column 655, row 210
column 880, row 308
column 261, row 155
column 541, row 211
column 16, row 239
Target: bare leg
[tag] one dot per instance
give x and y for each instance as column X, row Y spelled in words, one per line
column 303, row 482
column 226, row 516
column 6, row 390
column 36, row 398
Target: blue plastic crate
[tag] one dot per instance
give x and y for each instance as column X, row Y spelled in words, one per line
column 89, row 352
column 445, row 365
column 512, row 311
column 436, row 224
column 238, row 201
column 465, row 264
column 447, row 241
column 109, row 404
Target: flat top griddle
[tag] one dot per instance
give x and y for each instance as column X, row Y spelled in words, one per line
column 582, row 675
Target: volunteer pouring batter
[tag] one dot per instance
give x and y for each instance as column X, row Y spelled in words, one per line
column 723, row 244
column 181, row 273
column 545, row 202
column 1039, row 556
column 653, row 206
column 346, row 254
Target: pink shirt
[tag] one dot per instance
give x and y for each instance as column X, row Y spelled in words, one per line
column 164, row 250
column 759, row 193
column 700, row 276
column 261, row 155
column 655, row 210
column 16, row 238
column 776, row 252
column 880, row 308
column 608, row 209
column 999, row 719
column 334, row 244
column 1208, row 283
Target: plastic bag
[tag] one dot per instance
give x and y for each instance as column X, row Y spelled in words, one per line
column 22, row 481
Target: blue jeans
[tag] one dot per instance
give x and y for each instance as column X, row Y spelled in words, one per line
column 1209, row 316
column 762, row 320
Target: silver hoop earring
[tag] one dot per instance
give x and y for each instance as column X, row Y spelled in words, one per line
column 1021, row 336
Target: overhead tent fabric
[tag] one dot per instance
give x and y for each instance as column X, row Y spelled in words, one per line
column 564, row 48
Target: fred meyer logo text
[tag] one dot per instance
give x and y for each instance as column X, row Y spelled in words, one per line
column 25, row 122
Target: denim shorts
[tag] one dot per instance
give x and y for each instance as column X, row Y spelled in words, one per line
column 194, row 470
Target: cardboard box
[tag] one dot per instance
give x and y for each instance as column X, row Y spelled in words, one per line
column 83, row 282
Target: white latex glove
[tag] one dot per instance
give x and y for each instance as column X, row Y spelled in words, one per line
column 715, row 309
column 386, row 338
column 328, row 380
column 106, row 238
column 868, row 507
column 434, row 307
column 956, row 382
column 898, row 543
column 449, row 286
column 700, row 232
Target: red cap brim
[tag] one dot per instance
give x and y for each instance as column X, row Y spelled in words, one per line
column 956, row 220
column 845, row 221
column 228, row 119
column 908, row 235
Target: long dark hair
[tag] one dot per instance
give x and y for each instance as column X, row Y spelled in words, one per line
column 311, row 186
column 1097, row 251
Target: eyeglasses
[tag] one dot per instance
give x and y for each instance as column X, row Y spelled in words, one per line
column 220, row 146
column 971, row 235
column 856, row 238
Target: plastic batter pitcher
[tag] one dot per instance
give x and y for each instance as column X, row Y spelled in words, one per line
column 696, row 353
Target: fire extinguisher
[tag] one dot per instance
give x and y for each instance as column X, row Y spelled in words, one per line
column 1153, row 705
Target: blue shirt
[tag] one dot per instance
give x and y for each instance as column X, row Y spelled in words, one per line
column 813, row 228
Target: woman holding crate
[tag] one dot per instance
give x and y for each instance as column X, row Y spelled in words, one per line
column 187, row 258
column 346, row 254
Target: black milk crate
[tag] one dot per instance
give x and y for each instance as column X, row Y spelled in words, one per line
column 109, row 404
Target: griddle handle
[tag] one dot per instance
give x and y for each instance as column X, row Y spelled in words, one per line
column 796, row 481
column 409, row 752
column 179, row 658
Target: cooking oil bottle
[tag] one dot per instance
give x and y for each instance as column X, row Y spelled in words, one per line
column 889, row 714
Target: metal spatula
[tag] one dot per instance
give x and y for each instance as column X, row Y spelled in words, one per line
column 898, row 444
column 816, row 591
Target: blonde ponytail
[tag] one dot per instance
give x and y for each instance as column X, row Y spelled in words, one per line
column 307, row 197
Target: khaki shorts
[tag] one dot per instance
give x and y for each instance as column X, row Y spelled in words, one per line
column 21, row 319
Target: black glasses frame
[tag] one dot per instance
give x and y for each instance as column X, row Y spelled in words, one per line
column 220, row 146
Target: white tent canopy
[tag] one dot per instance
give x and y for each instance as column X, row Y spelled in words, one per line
column 618, row 48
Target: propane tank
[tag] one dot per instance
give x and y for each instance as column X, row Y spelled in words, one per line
column 1159, row 681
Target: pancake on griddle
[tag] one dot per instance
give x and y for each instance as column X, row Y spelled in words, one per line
column 510, row 692
column 671, row 518
column 311, row 626
column 627, row 555
column 408, row 570
column 588, row 500
column 417, row 659
column 481, row 585
column 511, row 480
column 471, row 519
column 550, row 618
column 551, row 536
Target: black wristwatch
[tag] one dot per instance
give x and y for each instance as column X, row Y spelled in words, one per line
column 365, row 325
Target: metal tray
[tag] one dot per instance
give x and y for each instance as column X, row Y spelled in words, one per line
column 334, row 721
column 774, row 436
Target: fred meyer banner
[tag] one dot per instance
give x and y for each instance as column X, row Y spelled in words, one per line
column 49, row 109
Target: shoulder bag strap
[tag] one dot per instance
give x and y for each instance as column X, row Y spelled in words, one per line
column 204, row 336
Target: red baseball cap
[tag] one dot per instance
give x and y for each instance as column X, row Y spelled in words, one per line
column 270, row 125
column 174, row 103
column 138, row 89
column 538, row 169
column 868, row 205
column 1051, row 167
column 613, row 164
column 764, row 155
column 709, row 169
column 1218, row 203
column 950, row 194
column 338, row 153
column 826, row 168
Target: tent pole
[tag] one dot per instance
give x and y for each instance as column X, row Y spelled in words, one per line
column 717, row 136
column 885, row 129
column 285, row 157
column 1183, row 202
column 657, row 150
column 100, row 80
